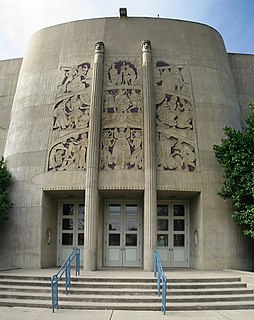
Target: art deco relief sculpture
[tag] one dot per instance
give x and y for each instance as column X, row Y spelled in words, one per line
column 71, row 120
column 122, row 138
column 174, row 119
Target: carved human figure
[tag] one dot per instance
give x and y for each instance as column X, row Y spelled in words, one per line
column 81, row 156
column 177, row 78
column 56, row 157
column 99, row 46
column 136, row 158
column 71, row 158
column 74, row 79
column 122, row 101
column 109, row 102
column 121, row 149
column 136, row 101
column 114, row 76
column 146, row 45
column 128, row 75
column 60, row 116
column 164, row 153
column 185, row 115
column 189, row 157
column 107, row 143
column 166, row 112
column 74, row 105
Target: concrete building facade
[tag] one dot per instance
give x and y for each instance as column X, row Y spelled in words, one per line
column 108, row 126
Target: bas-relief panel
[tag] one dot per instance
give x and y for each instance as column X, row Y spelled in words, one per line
column 122, row 116
column 70, row 120
column 175, row 132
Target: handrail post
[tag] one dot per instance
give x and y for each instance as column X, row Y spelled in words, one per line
column 54, row 290
column 65, row 269
column 161, row 280
column 77, row 261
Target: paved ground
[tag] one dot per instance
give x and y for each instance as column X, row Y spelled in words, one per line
column 46, row 314
column 17, row 313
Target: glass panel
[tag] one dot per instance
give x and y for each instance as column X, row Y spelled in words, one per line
column 68, row 209
column 162, row 210
column 67, row 239
column 131, row 210
column 114, row 210
column 162, row 240
column 178, row 210
column 114, row 239
column 162, row 225
column 178, row 240
column 131, row 225
column 80, row 239
column 67, row 224
column 178, row 225
column 131, row 240
column 80, row 223
column 81, row 209
column 114, row 224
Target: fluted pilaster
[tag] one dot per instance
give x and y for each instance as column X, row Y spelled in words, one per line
column 92, row 162
column 150, row 200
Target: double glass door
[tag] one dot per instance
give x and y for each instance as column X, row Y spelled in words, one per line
column 123, row 234
column 172, row 234
column 71, row 229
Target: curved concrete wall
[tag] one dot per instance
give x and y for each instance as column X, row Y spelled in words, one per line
column 199, row 52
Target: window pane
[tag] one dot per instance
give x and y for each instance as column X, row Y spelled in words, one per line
column 131, row 209
column 162, row 225
column 131, row 225
column 178, row 210
column 162, row 240
column 80, row 223
column 67, row 239
column 81, row 239
column 114, row 239
column 162, row 210
column 114, row 210
column 178, row 225
column 68, row 209
column 178, row 240
column 131, row 240
column 81, row 209
column 114, row 224
column 67, row 224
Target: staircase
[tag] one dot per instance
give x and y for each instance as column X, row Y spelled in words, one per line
column 127, row 293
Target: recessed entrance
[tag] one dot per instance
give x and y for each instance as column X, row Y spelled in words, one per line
column 172, row 234
column 122, row 234
column 70, row 229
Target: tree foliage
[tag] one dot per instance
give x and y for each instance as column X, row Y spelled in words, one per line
column 5, row 204
column 236, row 155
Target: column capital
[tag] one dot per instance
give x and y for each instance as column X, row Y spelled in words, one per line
column 99, row 47
column 146, row 46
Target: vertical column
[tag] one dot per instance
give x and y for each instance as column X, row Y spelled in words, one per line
column 150, row 201
column 92, row 162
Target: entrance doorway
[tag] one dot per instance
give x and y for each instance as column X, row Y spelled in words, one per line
column 122, row 234
column 70, row 229
column 173, row 233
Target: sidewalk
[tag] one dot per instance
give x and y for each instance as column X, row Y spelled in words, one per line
column 17, row 313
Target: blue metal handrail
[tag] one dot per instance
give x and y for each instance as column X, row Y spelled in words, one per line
column 161, row 280
column 65, row 268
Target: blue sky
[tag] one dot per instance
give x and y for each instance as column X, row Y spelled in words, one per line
column 19, row 19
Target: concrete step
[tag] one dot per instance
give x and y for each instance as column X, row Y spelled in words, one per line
column 124, row 299
column 130, row 306
column 127, row 294
column 127, row 291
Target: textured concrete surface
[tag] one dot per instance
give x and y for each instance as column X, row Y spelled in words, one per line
column 42, row 314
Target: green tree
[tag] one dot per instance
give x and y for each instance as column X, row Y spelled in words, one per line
column 236, row 155
column 5, row 204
